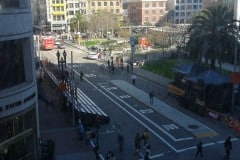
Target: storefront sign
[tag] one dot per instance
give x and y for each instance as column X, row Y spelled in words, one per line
column 17, row 103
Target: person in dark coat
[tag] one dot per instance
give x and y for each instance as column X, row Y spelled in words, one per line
column 137, row 143
column 199, row 150
column 120, row 141
column 228, row 147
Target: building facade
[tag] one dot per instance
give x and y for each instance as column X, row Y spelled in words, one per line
column 184, row 9
column 146, row 12
column 113, row 6
column 60, row 12
column 19, row 130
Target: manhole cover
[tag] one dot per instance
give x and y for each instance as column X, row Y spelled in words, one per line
column 193, row 126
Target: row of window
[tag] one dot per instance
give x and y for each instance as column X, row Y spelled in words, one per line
column 182, row 14
column 104, row 4
column 188, row 7
column 117, row 11
column 161, row 11
column 58, row 18
column 71, row 13
column 188, row 1
column 77, row 5
column 57, row 1
column 152, row 19
column 154, row 4
column 16, row 125
column 182, row 21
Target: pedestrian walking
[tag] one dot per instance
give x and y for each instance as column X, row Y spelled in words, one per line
column 81, row 129
column 120, row 141
column 146, row 156
column 228, row 147
column 137, row 143
column 133, row 79
column 127, row 68
column 148, row 149
column 110, row 155
column 151, row 96
column 199, row 150
column 145, row 137
column 81, row 76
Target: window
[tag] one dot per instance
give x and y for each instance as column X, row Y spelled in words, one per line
column 189, row 1
column 117, row 11
column 105, row 3
column 177, row 1
column 70, row 5
column 146, row 11
column 76, row 5
column 200, row 6
column 99, row 3
column 182, row 1
column 161, row 11
column 182, row 7
column 153, row 4
column 146, row 4
column 71, row 13
column 176, row 14
column 195, row 7
column 93, row 4
column 189, row 7
column 146, row 19
column 188, row 14
column 182, row 14
column 160, row 4
column 176, row 7
column 12, row 63
column 117, row 3
column 195, row 1
column 153, row 11
column 111, row 3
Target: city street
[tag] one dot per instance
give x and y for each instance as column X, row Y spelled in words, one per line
column 174, row 132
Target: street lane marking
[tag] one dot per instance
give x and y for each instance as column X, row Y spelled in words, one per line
column 170, row 126
column 125, row 96
column 147, row 119
column 146, row 111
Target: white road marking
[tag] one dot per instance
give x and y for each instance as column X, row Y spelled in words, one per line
column 146, row 111
column 170, row 126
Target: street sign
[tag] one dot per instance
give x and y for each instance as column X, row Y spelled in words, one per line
column 132, row 41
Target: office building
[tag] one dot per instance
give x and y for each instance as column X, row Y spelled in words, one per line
column 19, row 130
column 146, row 12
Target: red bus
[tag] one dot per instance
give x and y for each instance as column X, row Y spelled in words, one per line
column 47, row 43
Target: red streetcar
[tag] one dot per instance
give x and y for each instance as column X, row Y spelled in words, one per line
column 47, row 43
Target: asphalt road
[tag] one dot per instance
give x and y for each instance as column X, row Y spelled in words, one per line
column 129, row 116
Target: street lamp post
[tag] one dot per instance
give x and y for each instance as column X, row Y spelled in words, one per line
column 61, row 60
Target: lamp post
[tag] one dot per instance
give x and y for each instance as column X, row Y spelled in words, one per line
column 61, row 60
column 97, row 137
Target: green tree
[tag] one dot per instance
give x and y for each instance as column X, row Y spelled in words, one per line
column 78, row 23
column 212, row 34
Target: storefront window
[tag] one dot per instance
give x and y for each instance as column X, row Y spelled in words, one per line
column 11, row 63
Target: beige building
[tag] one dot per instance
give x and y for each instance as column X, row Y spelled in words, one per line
column 146, row 12
column 113, row 6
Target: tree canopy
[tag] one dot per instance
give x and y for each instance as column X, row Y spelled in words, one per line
column 212, row 35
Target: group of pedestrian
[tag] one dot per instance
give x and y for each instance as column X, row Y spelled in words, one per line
column 142, row 140
column 227, row 147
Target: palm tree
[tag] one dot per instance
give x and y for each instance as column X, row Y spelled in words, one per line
column 212, row 35
column 78, row 23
